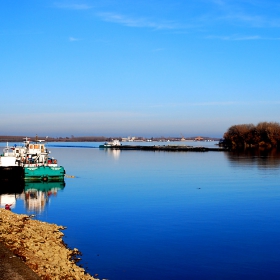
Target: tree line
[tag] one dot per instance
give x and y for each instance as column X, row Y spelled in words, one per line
column 264, row 134
column 6, row 138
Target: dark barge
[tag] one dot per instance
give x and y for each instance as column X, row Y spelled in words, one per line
column 167, row 148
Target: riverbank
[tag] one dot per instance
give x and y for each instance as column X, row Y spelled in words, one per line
column 12, row 267
column 40, row 246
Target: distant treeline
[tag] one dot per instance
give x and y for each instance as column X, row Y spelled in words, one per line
column 53, row 139
column 264, row 134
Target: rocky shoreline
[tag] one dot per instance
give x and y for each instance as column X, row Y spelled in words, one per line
column 40, row 246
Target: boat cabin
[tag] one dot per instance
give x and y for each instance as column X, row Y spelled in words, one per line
column 36, row 148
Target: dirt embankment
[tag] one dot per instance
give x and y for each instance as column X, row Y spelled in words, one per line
column 40, row 246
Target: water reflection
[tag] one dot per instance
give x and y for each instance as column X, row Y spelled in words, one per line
column 8, row 199
column 261, row 158
column 9, row 192
column 36, row 195
column 113, row 153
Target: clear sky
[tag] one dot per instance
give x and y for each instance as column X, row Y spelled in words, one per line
column 138, row 68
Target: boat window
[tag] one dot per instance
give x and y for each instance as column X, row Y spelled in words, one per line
column 31, row 146
column 36, row 146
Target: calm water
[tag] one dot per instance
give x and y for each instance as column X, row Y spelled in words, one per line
column 165, row 215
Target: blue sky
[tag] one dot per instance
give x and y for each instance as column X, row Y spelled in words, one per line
column 138, row 68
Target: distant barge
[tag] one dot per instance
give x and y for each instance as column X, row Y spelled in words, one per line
column 168, row 148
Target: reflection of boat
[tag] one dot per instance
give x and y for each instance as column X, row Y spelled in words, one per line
column 11, row 187
column 110, row 144
column 29, row 162
column 37, row 194
column 9, row 191
column 44, row 186
column 115, row 153
column 8, row 199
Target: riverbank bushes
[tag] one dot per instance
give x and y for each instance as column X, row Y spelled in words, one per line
column 264, row 134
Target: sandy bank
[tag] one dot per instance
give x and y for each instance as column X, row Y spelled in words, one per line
column 40, row 246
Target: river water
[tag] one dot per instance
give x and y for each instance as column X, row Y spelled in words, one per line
column 164, row 215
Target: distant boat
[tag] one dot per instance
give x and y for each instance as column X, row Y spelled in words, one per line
column 113, row 143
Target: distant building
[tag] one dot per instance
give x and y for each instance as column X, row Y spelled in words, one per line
column 198, row 138
column 128, row 139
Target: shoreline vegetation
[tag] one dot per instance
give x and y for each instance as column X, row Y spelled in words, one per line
column 40, row 246
column 265, row 135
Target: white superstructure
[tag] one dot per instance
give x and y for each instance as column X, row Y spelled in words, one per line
column 28, row 155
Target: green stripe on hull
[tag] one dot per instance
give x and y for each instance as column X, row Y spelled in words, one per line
column 44, row 173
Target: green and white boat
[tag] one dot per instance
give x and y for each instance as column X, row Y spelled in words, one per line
column 34, row 161
column 114, row 143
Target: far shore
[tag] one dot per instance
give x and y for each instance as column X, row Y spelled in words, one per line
column 4, row 138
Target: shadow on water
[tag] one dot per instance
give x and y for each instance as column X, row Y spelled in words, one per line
column 35, row 195
column 263, row 158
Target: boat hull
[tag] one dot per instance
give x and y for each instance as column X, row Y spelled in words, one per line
column 11, row 173
column 44, row 173
column 105, row 146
